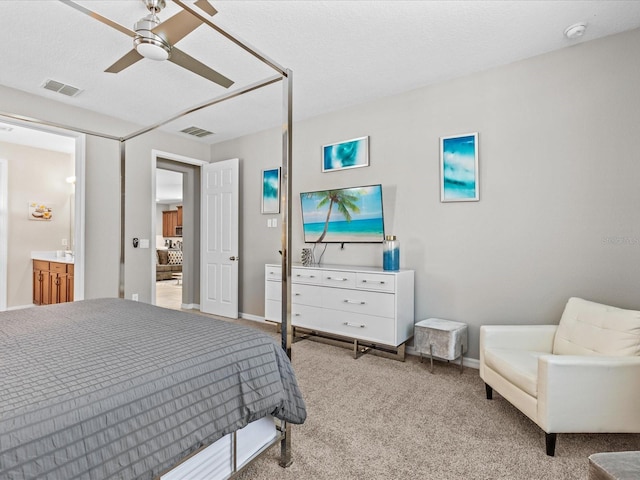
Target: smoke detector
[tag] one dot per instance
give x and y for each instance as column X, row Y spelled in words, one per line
column 575, row 31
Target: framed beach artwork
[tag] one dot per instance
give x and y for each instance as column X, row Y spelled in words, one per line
column 459, row 180
column 271, row 191
column 352, row 153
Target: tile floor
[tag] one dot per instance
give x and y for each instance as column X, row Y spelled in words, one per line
column 169, row 294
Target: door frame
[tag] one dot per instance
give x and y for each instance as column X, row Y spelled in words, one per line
column 79, row 206
column 4, row 224
column 155, row 154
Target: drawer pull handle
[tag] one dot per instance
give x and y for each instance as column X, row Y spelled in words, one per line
column 381, row 282
column 354, row 302
column 353, row 325
column 297, row 294
column 305, row 276
column 337, row 279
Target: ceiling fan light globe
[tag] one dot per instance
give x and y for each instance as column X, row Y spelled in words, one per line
column 152, row 51
column 147, row 43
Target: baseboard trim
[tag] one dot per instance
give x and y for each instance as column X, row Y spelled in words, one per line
column 467, row 361
column 254, row 318
column 20, row 307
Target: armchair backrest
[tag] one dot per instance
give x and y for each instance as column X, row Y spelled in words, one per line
column 589, row 328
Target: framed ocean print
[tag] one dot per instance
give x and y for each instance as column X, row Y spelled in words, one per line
column 352, row 153
column 459, row 179
column 271, row 190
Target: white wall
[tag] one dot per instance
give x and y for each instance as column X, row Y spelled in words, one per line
column 558, row 210
column 34, row 175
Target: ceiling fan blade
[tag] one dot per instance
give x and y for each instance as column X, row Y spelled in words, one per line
column 206, row 6
column 100, row 18
column 180, row 58
column 129, row 59
column 177, row 27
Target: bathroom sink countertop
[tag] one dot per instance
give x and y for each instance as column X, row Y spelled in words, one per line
column 52, row 257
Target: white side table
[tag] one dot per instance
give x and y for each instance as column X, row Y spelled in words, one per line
column 444, row 339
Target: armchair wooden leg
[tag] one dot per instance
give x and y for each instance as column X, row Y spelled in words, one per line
column 489, row 391
column 550, row 440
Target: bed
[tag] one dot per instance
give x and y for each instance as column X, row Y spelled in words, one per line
column 111, row 388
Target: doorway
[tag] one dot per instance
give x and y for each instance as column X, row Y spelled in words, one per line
column 189, row 169
column 23, row 135
column 169, row 238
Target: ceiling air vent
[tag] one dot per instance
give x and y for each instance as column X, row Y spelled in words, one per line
column 196, row 132
column 62, row 88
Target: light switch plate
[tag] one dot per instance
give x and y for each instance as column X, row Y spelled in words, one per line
column 144, row 243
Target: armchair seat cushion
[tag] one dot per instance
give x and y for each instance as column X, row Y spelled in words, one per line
column 519, row 367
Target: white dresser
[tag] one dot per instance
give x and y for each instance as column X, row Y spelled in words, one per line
column 362, row 303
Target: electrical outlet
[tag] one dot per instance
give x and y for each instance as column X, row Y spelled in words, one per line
column 64, row 242
column 134, row 297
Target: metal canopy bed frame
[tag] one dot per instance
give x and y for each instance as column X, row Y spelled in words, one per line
column 283, row 75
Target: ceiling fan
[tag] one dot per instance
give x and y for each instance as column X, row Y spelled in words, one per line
column 156, row 40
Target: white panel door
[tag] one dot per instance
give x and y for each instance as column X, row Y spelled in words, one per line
column 219, row 242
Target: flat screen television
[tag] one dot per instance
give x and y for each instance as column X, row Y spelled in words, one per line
column 343, row 215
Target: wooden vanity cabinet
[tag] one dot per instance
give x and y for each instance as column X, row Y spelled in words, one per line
column 41, row 283
column 52, row 282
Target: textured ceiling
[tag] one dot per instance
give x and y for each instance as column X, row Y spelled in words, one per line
column 341, row 52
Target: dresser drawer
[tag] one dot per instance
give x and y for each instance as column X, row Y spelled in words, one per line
column 376, row 281
column 302, row 294
column 273, row 273
column 306, row 275
column 336, row 278
column 307, row 316
column 358, row 301
column 363, row 327
column 273, row 310
column 273, row 291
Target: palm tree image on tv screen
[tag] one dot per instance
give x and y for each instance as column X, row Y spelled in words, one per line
column 343, row 215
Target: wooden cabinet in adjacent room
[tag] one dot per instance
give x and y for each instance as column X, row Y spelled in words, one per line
column 169, row 223
column 172, row 222
column 52, row 282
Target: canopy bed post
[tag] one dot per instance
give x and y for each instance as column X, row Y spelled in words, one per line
column 122, row 211
column 285, row 200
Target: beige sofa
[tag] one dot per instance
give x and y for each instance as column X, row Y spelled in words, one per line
column 581, row 376
column 168, row 262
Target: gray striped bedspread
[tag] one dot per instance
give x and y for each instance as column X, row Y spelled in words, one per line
column 115, row 389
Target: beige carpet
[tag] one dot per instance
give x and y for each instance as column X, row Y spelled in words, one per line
column 375, row 418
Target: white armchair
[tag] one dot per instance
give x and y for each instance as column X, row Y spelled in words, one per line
column 581, row 376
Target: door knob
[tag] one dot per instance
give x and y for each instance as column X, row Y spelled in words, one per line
column 234, row 259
